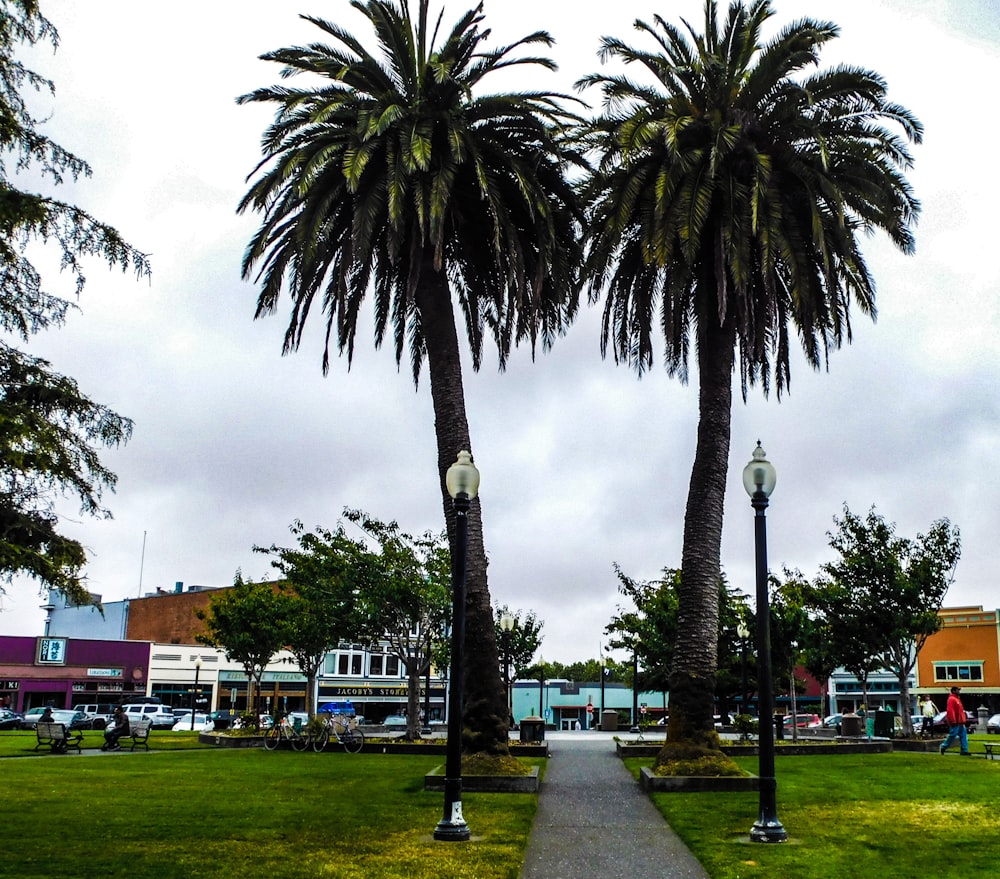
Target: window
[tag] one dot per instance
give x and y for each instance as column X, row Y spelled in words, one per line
column 392, row 666
column 966, row 671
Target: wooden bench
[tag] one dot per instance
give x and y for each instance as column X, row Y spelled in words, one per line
column 139, row 734
column 57, row 737
column 989, row 746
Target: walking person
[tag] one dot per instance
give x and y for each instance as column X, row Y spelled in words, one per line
column 929, row 711
column 955, row 715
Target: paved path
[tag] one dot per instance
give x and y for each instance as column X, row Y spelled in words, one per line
column 593, row 819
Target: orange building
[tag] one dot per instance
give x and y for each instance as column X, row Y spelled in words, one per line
column 964, row 652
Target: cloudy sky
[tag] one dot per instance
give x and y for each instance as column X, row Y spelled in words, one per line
column 583, row 465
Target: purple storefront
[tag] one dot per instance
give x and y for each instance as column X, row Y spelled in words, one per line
column 63, row 672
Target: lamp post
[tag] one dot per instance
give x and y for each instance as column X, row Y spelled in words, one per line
column 506, row 627
column 791, row 685
column 759, row 478
column 462, row 481
column 742, row 632
column 541, row 688
column 194, row 692
column 603, row 662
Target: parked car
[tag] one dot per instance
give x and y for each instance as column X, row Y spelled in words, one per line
column 201, row 723
column 394, row 720
column 721, row 720
column 98, row 712
column 10, row 719
column 30, row 717
column 801, row 720
column 71, row 719
column 345, row 708
column 941, row 725
column 993, row 724
column 832, row 721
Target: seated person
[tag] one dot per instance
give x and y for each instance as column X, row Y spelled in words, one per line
column 117, row 729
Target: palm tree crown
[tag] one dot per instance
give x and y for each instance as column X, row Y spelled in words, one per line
column 394, row 159
column 736, row 188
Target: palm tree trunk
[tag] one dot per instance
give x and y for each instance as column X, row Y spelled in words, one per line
column 485, row 714
column 692, row 678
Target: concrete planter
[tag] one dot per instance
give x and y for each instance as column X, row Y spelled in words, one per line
column 679, row 784
column 223, row 741
column 491, row 784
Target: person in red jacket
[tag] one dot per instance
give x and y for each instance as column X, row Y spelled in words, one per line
column 955, row 715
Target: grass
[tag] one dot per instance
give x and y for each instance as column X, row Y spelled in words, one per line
column 849, row 816
column 248, row 813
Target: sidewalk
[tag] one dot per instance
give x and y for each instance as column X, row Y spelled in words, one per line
column 593, row 819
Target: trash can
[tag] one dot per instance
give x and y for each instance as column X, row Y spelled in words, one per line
column 851, row 725
column 609, row 720
column 885, row 724
column 532, row 730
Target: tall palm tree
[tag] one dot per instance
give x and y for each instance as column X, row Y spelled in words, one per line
column 728, row 196
column 392, row 172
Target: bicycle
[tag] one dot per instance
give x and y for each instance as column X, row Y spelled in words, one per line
column 344, row 732
column 283, row 731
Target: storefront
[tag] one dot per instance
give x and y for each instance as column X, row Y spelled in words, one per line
column 375, row 702
column 62, row 672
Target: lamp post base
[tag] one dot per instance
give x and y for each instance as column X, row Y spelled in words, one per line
column 768, row 830
column 455, row 829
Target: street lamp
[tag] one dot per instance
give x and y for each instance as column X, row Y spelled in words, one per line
column 541, row 689
column 759, row 478
column 791, row 683
column 603, row 661
column 462, row 480
column 506, row 626
column 194, row 692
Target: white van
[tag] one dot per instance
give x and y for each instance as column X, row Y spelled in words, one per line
column 160, row 715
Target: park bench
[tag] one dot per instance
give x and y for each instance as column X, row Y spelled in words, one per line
column 989, row 746
column 139, row 734
column 57, row 737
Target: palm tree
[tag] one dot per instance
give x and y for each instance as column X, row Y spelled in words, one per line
column 393, row 173
column 729, row 196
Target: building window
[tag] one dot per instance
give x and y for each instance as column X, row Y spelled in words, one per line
column 392, row 666
column 375, row 665
column 966, row 671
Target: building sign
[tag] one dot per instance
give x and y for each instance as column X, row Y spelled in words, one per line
column 371, row 691
column 9, row 685
column 270, row 677
column 52, row 651
column 104, row 672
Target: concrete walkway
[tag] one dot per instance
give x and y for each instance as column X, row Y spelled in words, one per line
column 593, row 819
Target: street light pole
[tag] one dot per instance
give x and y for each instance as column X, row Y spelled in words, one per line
column 194, row 692
column 462, row 481
column 791, row 684
column 506, row 626
column 759, row 478
column 603, row 661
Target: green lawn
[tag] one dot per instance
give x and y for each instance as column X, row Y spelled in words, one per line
column 851, row 816
column 248, row 813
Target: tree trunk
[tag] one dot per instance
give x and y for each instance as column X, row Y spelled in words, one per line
column 485, row 710
column 692, row 677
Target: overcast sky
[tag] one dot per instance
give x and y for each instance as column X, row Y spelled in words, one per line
column 582, row 464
